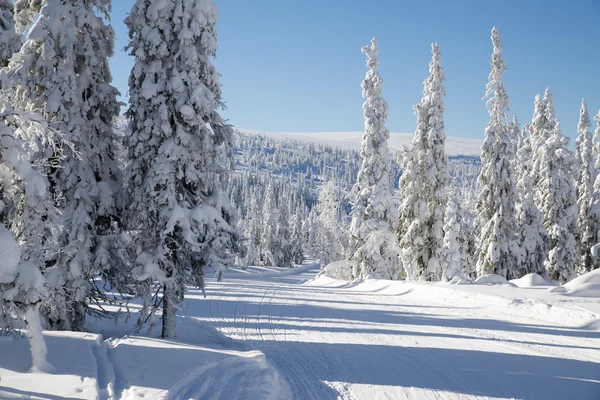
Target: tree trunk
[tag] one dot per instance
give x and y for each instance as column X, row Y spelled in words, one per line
column 36, row 341
column 169, row 317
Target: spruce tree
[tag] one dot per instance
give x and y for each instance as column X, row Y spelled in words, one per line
column 425, row 182
column 499, row 251
column 559, row 205
column 542, row 127
column 452, row 256
column 586, row 175
column 594, row 214
column 374, row 218
column 10, row 40
column 181, row 150
column 28, row 212
column 62, row 72
column 533, row 235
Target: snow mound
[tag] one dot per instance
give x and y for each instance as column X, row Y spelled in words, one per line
column 590, row 277
column 492, row 279
column 585, row 290
column 457, row 280
column 532, row 280
column 196, row 372
column 338, row 270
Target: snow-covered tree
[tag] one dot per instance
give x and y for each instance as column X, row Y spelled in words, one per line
column 180, row 149
column 28, row 211
column 62, row 72
column 10, row 40
column 332, row 240
column 532, row 233
column 425, row 182
column 586, row 175
column 559, row 206
column 374, row 218
column 594, row 213
column 452, row 253
column 542, row 127
column 297, row 239
column 498, row 244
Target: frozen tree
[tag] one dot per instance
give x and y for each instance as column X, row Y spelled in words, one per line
column 297, row 239
column 452, row 252
column 542, row 127
column 594, row 213
column 425, row 181
column 332, row 241
column 10, row 40
column 515, row 135
column 374, row 219
column 62, row 72
column 559, row 206
column 532, row 233
column 586, row 175
column 498, row 244
column 28, row 211
column 180, row 148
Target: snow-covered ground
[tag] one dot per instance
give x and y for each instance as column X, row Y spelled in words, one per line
column 352, row 140
column 263, row 334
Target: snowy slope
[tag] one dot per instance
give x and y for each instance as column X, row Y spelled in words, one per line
column 297, row 337
column 351, row 140
column 380, row 339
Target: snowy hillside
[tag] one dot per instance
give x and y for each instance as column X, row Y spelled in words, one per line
column 351, row 140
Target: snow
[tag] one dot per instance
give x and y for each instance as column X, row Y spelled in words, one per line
column 490, row 279
column 261, row 334
column 338, row 269
column 587, row 285
column 352, row 140
column 590, row 277
column 11, row 256
column 531, row 280
column 585, row 290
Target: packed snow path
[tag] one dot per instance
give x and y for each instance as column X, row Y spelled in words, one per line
column 332, row 342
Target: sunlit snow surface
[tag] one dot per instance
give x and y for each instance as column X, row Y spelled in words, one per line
column 263, row 334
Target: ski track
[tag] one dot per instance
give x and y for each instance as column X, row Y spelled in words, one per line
column 333, row 343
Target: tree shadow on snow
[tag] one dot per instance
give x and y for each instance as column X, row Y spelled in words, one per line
column 469, row 372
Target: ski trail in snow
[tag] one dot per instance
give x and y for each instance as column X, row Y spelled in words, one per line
column 336, row 343
column 105, row 374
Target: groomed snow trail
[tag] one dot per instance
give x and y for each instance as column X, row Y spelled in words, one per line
column 332, row 342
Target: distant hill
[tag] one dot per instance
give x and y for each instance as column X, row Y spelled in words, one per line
column 455, row 146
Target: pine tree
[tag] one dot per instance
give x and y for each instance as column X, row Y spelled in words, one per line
column 181, row 150
column 586, row 175
column 374, row 218
column 452, row 254
column 498, row 245
column 594, row 214
column 542, row 127
column 332, row 225
column 27, row 209
column 62, row 71
column 10, row 40
column 425, row 182
column 559, row 206
column 533, row 234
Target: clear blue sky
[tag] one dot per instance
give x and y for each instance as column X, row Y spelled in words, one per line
column 297, row 65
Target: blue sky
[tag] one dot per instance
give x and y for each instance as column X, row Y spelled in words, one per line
column 297, row 66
